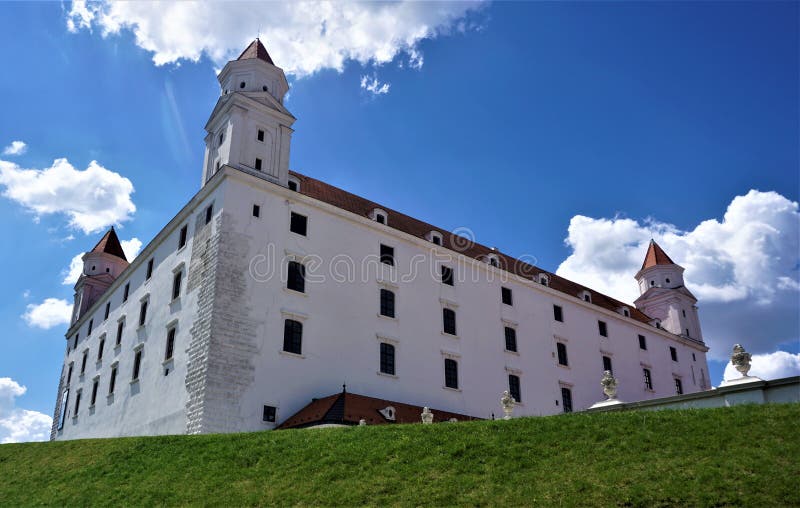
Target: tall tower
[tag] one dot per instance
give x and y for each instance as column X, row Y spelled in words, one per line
column 664, row 296
column 250, row 129
column 101, row 266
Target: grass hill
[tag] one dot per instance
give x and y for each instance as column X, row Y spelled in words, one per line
column 745, row 455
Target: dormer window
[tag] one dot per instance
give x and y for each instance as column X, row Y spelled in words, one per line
column 379, row 216
column 625, row 311
column 544, row 279
column 493, row 260
column 434, row 237
column 586, row 296
column 294, row 184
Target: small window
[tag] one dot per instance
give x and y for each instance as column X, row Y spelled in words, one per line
column 126, row 292
column 607, row 364
column 380, row 218
column 667, row 281
column 683, row 311
column 513, row 387
column 120, row 327
column 149, row 269
column 269, row 414
column 678, row 387
column 673, row 353
column 209, row 213
column 220, row 138
column 176, row 285
column 561, row 350
column 566, row 399
column 170, row 347
column 626, row 313
column 69, row 372
column 91, row 325
column 505, row 295
column 451, row 373
column 642, row 342
column 493, row 260
column 260, row 135
column 387, row 358
column 298, row 224
column 95, row 384
column 256, row 211
column 544, row 280
column 143, row 313
column 558, row 313
column 113, row 380
column 648, row 379
column 587, row 296
column 511, row 339
column 652, row 283
column 447, row 275
column 182, row 236
column 687, row 332
column 387, row 303
column 292, row 185
column 242, row 84
column 296, row 279
column 694, row 359
column 449, row 321
column 77, row 403
column 101, row 347
column 293, row 336
column 602, row 328
column 107, row 312
column 258, row 164
column 137, row 365
column 387, row 255
column 83, row 361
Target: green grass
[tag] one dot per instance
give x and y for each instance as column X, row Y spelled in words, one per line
column 745, row 455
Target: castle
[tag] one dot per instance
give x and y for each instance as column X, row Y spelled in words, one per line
column 269, row 290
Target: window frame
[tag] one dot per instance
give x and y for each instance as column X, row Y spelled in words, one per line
column 292, row 336
column 269, row 414
column 387, row 254
column 608, row 364
column 183, row 236
column 561, row 354
column 446, row 275
column 642, row 342
column 507, row 296
column 296, row 276
column 149, row 271
column 558, row 313
column 566, row 399
column 177, row 280
column 678, row 386
column 602, row 328
column 137, row 364
column 388, row 356
column 515, row 387
column 451, row 373
column 648, row 378
column 510, row 335
column 298, row 224
column 449, row 325
column 387, row 303
column 169, row 346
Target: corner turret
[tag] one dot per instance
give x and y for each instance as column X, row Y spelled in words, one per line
column 101, row 266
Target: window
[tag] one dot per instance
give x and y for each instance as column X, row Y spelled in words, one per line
column 298, row 224
column 493, row 260
column 667, row 281
column 69, row 372
column 269, row 414
column 296, row 280
column 101, row 347
column 693, row 358
column 513, row 387
column 293, row 336
column 176, row 284
column 380, row 218
column 505, row 294
column 120, row 327
column 449, row 321
column 75, row 344
column 607, row 364
column 220, row 138
column 447, row 275
column 292, row 185
column 142, row 312
column 258, row 164
column 387, row 303
column 566, row 399
column 587, row 296
column 137, row 364
column 256, row 211
column 387, row 255
column 83, row 361
column 687, row 332
column 451, row 373
column 387, row 358
column 94, row 391
column 673, row 353
column 113, row 380
column 511, row 339
column 170, row 348
column 626, row 313
column 108, row 311
column 260, row 135
column 126, row 292
column 149, row 269
column 91, row 325
column 182, row 236
column 561, row 350
column 642, row 342
column 558, row 313
column 602, row 328
column 648, row 380
column 544, row 280
column 77, row 403
column 242, row 84
column 678, row 386
column 209, row 213
column 683, row 311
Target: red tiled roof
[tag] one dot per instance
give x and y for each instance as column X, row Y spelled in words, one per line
column 655, row 256
column 349, row 408
column 360, row 206
column 256, row 50
column 110, row 245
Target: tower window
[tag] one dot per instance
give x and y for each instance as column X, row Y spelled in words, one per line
column 566, row 399
column 292, row 185
column 108, row 310
column 113, row 380
column 602, row 328
column 258, row 164
column 126, row 292
column 137, row 365
column 387, row 255
column 182, row 236
column 298, row 224
column 209, row 213
column 451, row 373
column 220, row 138
column 170, row 346
column 387, row 303
column 505, row 295
column 264, row 88
column 242, row 84
column 667, row 281
column 293, row 336
column 260, row 135
column 607, row 364
column 269, row 414
column 149, row 269
column 447, row 275
column 642, row 342
column 120, row 327
column 176, row 285
column 256, row 211
column 673, row 353
column 678, row 386
column 296, row 279
column 387, row 358
column 648, row 379
column 561, row 351
column 511, row 339
column 513, row 387
column 449, row 321
column 558, row 313
column 142, row 313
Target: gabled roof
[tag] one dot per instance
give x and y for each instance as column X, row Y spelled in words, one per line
column 655, row 256
column 349, row 408
column 109, row 244
column 256, row 50
column 350, row 202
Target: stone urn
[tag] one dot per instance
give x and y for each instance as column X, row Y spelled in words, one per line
column 741, row 359
column 609, row 384
column 427, row 416
column 507, row 403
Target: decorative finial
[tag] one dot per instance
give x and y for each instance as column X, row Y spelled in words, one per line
column 741, row 359
column 344, row 388
column 609, row 384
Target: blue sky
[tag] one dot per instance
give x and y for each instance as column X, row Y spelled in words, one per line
column 529, row 123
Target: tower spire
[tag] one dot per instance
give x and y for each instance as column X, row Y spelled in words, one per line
column 655, row 256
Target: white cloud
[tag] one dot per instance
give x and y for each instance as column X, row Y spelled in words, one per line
column 302, row 37
column 15, row 148
column 130, row 247
column 743, row 269
column 51, row 312
column 373, row 86
column 769, row 366
column 93, row 199
column 19, row 425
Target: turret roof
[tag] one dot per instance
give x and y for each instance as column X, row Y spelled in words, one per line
column 109, row 244
column 256, row 50
column 655, row 256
